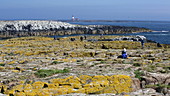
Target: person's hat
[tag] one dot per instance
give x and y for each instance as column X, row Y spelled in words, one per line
column 124, row 49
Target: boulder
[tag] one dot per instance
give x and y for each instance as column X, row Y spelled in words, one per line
column 156, row 78
column 135, row 84
column 2, row 94
column 146, row 92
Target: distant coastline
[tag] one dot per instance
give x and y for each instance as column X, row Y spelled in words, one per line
column 111, row 21
column 69, row 20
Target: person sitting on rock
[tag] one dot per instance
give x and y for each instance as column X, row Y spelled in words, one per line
column 124, row 54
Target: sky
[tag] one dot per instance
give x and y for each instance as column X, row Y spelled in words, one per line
column 155, row 10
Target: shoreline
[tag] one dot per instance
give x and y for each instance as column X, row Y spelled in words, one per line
column 28, row 28
column 62, row 36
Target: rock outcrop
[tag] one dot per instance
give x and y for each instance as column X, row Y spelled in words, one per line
column 155, row 78
column 159, row 82
column 44, row 28
column 32, row 59
column 98, row 84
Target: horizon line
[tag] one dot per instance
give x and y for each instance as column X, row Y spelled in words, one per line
column 86, row 20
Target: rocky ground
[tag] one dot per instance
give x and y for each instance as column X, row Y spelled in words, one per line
column 21, row 59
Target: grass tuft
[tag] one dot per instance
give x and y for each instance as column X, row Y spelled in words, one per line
column 56, row 62
column 2, row 64
column 45, row 73
column 138, row 74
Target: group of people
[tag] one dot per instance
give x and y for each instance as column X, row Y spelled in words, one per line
column 124, row 53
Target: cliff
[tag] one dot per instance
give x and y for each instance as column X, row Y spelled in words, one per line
column 44, row 28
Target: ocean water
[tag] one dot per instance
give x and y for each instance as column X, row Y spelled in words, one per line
column 161, row 29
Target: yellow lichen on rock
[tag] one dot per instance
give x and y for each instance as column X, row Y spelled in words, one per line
column 15, row 71
column 12, row 62
column 85, row 78
column 83, row 84
column 109, row 90
column 19, row 94
column 38, row 85
column 2, row 68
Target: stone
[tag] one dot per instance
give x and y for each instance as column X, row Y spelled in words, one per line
column 156, row 78
column 135, row 84
column 146, row 92
column 2, row 94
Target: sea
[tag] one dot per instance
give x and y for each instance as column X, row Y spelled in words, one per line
column 160, row 34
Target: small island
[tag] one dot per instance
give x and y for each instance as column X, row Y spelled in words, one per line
column 51, row 28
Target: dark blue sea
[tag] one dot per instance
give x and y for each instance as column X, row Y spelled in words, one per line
column 161, row 29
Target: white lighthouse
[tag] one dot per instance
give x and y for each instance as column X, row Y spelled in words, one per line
column 73, row 18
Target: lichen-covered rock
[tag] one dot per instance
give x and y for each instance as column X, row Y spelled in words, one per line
column 93, row 62
column 82, row 84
